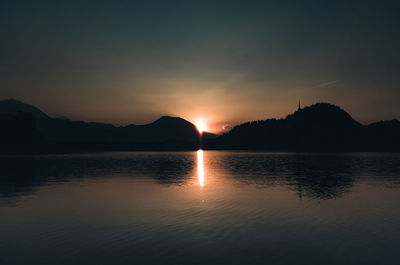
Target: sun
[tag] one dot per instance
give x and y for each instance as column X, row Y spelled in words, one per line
column 201, row 126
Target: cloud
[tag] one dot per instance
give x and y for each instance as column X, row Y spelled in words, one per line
column 329, row 83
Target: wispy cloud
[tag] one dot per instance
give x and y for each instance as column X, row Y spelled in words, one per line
column 325, row 84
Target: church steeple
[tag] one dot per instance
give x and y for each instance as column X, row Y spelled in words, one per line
column 299, row 106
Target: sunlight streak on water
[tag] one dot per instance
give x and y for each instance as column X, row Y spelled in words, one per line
column 200, row 167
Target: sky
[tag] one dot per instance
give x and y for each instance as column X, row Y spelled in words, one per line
column 222, row 62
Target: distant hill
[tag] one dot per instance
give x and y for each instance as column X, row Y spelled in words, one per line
column 12, row 106
column 27, row 129
column 164, row 129
column 320, row 127
column 382, row 134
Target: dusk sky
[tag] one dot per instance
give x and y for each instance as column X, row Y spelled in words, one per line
column 225, row 62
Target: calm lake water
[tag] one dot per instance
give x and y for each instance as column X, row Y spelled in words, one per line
column 208, row 207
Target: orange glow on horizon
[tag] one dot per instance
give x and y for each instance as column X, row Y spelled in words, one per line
column 201, row 125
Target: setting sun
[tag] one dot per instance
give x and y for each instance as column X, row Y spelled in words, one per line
column 201, row 126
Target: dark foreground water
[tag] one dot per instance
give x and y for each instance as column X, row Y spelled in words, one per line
column 200, row 208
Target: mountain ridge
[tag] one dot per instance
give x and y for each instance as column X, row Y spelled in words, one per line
column 319, row 127
column 46, row 134
column 13, row 106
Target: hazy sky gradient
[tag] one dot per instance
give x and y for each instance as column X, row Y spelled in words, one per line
column 226, row 61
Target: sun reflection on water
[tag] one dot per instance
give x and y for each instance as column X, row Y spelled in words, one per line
column 200, row 167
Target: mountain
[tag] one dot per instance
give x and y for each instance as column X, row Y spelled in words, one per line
column 320, row 127
column 383, row 134
column 12, row 106
column 27, row 129
column 164, row 129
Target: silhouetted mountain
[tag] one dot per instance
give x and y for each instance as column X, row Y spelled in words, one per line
column 383, row 134
column 320, row 127
column 12, row 106
column 161, row 130
column 165, row 128
column 30, row 130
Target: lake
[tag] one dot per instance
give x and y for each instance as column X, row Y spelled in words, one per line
column 205, row 207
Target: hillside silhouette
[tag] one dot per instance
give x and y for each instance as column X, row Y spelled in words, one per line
column 320, row 127
column 164, row 129
column 12, row 106
column 28, row 130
